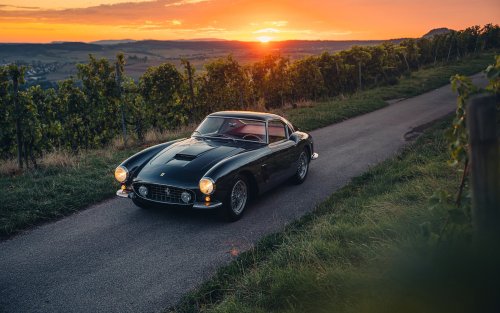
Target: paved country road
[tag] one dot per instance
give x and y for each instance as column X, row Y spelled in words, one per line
column 115, row 257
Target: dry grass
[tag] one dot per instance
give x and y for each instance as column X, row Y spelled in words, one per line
column 59, row 158
column 154, row 136
column 66, row 159
column 303, row 104
column 119, row 144
column 9, row 168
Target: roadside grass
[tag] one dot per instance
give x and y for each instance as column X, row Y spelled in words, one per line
column 345, row 256
column 65, row 184
column 54, row 190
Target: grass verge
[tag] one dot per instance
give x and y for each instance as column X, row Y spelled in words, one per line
column 362, row 250
column 60, row 189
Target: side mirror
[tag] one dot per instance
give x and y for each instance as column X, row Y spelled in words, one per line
column 294, row 137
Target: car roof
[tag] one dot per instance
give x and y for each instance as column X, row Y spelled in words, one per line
column 261, row 116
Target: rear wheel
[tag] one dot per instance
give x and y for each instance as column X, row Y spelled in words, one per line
column 236, row 199
column 302, row 168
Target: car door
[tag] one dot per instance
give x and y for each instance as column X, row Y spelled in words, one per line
column 280, row 161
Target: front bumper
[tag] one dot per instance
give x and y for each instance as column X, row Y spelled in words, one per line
column 124, row 193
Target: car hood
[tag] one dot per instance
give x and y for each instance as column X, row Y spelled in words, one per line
column 184, row 163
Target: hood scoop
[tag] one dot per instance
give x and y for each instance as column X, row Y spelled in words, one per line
column 194, row 150
column 184, row 157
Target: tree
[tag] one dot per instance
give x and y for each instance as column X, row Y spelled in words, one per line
column 160, row 87
column 225, row 85
column 189, row 74
column 99, row 87
column 17, row 75
column 270, row 80
column 7, row 124
column 357, row 56
column 119, row 69
column 306, row 78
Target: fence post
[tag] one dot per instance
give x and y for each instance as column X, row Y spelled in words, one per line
column 484, row 154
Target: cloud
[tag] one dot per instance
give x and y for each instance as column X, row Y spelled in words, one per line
column 267, row 31
column 277, row 23
column 6, row 7
column 184, row 2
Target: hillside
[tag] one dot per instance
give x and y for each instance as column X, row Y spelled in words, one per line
column 437, row 31
column 56, row 61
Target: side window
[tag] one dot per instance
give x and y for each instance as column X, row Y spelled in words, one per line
column 276, row 131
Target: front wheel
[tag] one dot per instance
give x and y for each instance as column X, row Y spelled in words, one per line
column 302, row 168
column 236, row 200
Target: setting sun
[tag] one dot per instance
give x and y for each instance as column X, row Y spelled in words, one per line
column 264, row 39
column 90, row 20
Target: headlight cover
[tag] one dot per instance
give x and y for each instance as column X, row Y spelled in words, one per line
column 207, row 186
column 121, row 174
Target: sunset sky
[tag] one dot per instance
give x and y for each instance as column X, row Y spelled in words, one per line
column 248, row 20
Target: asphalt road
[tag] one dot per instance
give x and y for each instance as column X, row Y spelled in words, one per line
column 115, row 257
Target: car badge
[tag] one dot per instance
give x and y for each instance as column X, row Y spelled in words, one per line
column 162, row 174
column 167, row 191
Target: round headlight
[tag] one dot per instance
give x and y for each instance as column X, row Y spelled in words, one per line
column 207, row 185
column 121, row 174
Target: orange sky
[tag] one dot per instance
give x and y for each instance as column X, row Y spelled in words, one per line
column 249, row 20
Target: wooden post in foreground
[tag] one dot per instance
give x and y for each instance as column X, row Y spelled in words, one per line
column 484, row 153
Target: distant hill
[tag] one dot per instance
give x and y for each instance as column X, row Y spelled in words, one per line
column 56, row 61
column 112, row 42
column 201, row 39
column 437, row 31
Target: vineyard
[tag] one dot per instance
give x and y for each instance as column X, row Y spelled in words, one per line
column 102, row 103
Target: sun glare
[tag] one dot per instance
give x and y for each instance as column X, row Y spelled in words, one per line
column 264, row 39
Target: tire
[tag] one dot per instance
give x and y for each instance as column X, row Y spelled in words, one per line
column 236, row 200
column 302, row 168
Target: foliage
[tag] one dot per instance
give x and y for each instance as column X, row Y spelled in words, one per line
column 101, row 103
column 459, row 213
column 61, row 188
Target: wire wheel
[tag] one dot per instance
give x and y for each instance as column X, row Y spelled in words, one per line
column 303, row 166
column 239, row 196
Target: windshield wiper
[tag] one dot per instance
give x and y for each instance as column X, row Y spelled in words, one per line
column 197, row 134
column 224, row 136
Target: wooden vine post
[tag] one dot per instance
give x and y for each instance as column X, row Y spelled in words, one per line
column 484, row 154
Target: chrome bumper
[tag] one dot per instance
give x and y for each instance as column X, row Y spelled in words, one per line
column 197, row 205
column 314, row 156
column 122, row 193
column 206, row 206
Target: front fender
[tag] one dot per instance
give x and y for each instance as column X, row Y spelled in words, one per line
column 226, row 170
column 134, row 163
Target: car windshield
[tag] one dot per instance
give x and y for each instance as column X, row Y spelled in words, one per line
column 232, row 128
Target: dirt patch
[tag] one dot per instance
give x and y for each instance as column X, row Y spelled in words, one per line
column 393, row 101
column 416, row 131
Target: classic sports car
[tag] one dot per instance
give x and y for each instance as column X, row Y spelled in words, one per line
column 230, row 157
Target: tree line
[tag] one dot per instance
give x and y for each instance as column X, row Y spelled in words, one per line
column 101, row 102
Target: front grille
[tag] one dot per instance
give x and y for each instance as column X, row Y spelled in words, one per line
column 164, row 194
